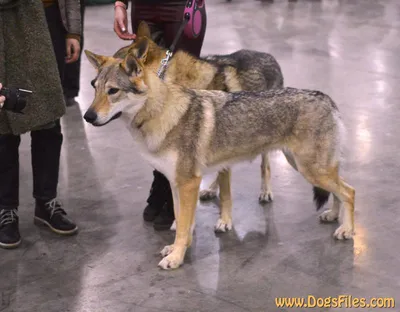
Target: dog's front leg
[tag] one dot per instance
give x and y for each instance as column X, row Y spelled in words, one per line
column 175, row 197
column 188, row 192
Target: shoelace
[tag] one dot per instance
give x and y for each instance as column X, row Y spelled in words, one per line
column 54, row 208
column 8, row 216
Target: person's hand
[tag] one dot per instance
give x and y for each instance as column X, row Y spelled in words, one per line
column 2, row 98
column 73, row 50
column 121, row 23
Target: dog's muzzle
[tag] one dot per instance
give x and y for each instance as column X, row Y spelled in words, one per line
column 91, row 117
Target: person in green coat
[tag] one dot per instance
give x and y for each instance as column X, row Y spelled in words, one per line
column 28, row 60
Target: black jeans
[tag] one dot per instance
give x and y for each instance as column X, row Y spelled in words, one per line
column 72, row 72
column 45, row 145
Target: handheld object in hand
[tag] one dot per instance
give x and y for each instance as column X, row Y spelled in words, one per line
column 15, row 99
column 194, row 11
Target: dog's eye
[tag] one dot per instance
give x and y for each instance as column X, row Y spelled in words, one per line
column 92, row 83
column 113, row 91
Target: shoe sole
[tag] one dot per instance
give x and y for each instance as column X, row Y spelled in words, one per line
column 41, row 222
column 10, row 246
column 163, row 227
column 149, row 219
column 150, row 216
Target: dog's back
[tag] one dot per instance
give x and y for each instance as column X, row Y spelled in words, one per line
column 250, row 122
column 256, row 71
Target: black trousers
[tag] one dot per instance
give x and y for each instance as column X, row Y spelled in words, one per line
column 164, row 21
column 45, row 144
column 72, row 72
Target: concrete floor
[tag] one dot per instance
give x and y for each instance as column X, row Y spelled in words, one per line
column 348, row 49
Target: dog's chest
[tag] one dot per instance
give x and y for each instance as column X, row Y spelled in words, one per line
column 165, row 163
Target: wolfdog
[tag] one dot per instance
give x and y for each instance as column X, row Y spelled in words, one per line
column 243, row 70
column 185, row 133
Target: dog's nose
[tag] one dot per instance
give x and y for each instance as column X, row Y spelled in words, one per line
column 90, row 116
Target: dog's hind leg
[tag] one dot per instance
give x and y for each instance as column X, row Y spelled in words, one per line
column 347, row 196
column 266, row 190
column 188, row 191
column 328, row 180
column 210, row 192
column 331, row 215
column 224, row 222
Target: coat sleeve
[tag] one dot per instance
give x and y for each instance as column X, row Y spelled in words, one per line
column 74, row 18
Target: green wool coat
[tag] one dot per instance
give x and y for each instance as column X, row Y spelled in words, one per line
column 27, row 61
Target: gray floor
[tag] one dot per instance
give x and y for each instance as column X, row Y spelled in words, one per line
column 348, row 49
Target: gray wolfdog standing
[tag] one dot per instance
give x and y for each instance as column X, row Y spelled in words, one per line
column 184, row 133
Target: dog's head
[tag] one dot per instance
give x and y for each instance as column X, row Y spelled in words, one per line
column 119, row 85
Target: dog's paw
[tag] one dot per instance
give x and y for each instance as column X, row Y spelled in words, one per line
column 172, row 261
column 266, row 197
column 167, row 250
column 223, row 226
column 329, row 216
column 343, row 232
column 207, row 195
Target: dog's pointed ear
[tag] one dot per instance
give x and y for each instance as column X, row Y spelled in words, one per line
column 141, row 49
column 95, row 60
column 143, row 30
column 130, row 65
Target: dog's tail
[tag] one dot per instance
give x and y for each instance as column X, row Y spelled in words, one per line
column 320, row 197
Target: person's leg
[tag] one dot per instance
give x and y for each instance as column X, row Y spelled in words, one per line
column 46, row 149
column 9, row 191
column 71, row 79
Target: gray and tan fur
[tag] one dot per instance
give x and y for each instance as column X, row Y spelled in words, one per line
column 186, row 133
column 243, row 70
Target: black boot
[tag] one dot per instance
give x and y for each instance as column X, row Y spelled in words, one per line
column 165, row 219
column 156, row 199
column 53, row 216
column 9, row 230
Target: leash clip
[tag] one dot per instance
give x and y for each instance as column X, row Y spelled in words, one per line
column 164, row 63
